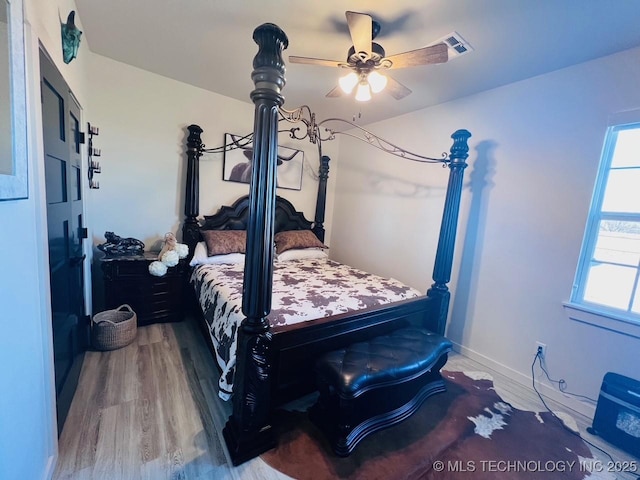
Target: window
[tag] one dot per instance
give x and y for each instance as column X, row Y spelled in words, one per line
column 608, row 276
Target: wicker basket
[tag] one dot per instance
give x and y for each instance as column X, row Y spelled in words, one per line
column 113, row 329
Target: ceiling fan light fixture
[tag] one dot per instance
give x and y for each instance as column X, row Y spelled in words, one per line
column 366, row 59
column 377, row 81
column 348, row 82
column 363, row 94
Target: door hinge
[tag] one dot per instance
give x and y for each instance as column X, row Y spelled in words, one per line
column 84, row 232
column 80, row 139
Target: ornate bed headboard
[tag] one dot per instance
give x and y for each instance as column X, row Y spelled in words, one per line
column 235, row 217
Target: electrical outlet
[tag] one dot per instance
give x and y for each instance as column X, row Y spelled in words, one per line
column 541, row 349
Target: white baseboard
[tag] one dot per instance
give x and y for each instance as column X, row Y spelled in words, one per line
column 583, row 408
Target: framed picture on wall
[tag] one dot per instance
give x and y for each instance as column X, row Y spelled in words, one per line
column 238, row 156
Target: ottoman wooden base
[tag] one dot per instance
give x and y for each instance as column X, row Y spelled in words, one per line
column 372, row 385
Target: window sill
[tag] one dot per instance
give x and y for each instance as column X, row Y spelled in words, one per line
column 602, row 318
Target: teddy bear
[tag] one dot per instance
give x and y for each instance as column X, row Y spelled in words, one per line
column 169, row 255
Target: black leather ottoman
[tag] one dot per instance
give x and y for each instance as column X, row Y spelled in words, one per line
column 372, row 385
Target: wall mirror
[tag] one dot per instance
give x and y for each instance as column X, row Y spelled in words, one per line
column 13, row 114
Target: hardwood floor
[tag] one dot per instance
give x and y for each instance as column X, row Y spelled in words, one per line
column 150, row 411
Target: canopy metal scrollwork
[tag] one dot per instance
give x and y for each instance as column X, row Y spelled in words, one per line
column 318, row 132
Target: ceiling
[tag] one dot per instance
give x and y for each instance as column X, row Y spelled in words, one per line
column 208, row 43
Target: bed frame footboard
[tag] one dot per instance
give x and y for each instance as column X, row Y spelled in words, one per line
column 296, row 347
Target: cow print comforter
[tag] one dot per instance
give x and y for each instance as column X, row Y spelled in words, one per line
column 302, row 290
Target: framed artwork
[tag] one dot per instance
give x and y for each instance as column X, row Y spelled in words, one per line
column 14, row 177
column 238, row 154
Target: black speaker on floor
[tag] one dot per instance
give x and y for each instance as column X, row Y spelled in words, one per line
column 617, row 418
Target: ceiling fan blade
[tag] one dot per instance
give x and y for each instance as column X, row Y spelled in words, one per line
column 396, row 89
column 422, row 56
column 336, row 92
column 360, row 25
column 315, row 61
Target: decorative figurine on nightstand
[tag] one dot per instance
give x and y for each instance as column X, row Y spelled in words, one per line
column 116, row 245
column 169, row 256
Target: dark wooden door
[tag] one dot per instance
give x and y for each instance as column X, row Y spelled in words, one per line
column 63, row 178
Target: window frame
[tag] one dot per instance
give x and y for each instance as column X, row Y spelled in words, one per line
column 577, row 302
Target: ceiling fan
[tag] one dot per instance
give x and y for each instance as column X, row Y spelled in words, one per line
column 366, row 59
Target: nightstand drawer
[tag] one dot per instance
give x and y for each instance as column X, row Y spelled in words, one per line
column 161, row 287
column 154, row 299
column 131, row 269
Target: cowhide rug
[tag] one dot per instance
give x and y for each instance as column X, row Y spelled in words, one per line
column 467, row 432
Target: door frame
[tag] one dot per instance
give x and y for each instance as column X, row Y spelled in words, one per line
column 35, row 155
column 65, row 396
column 37, row 144
column 37, row 199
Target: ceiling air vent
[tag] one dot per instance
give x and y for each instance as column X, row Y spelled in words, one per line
column 457, row 45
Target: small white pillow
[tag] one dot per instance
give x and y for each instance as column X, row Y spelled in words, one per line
column 301, row 254
column 200, row 257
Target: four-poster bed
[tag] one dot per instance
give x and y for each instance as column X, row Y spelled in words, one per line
column 274, row 364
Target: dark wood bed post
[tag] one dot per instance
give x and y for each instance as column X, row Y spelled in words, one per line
column 190, row 228
column 249, row 432
column 439, row 291
column 321, row 201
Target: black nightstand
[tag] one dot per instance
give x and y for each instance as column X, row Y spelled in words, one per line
column 154, row 299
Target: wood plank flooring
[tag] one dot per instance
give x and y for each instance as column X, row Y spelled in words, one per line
column 151, row 411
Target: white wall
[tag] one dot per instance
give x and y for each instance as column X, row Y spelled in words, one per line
column 534, row 155
column 28, row 437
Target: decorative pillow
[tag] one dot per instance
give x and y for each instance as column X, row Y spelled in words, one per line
column 301, row 254
column 222, row 242
column 296, row 239
column 200, row 256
